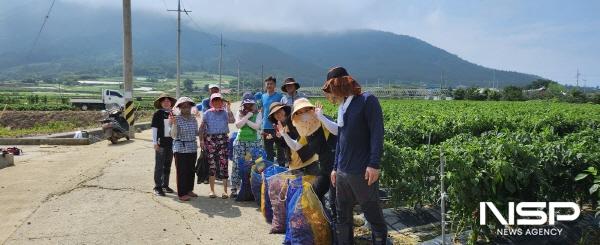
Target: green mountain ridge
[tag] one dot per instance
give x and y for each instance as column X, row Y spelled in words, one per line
column 89, row 42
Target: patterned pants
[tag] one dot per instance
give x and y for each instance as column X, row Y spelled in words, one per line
column 218, row 161
column 240, row 149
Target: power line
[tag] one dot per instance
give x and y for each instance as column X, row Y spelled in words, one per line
column 190, row 16
column 41, row 28
column 221, row 45
column 178, row 10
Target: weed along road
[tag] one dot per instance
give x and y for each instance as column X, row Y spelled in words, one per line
column 102, row 193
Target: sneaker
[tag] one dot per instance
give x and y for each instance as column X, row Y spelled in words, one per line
column 168, row 190
column 159, row 192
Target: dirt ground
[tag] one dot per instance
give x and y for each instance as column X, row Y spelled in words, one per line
column 102, row 194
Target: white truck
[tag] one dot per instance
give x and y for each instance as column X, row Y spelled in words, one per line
column 109, row 97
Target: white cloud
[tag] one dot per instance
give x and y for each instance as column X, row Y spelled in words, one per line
column 509, row 35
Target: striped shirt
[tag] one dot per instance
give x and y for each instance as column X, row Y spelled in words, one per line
column 187, row 132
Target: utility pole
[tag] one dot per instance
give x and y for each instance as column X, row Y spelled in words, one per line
column 127, row 57
column 238, row 76
column 578, row 74
column 494, row 84
column 441, row 80
column 178, row 92
column 221, row 61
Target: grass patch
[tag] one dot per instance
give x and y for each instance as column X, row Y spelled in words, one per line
column 38, row 129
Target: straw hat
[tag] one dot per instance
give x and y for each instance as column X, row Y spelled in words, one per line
column 305, row 128
column 161, row 97
column 183, row 100
column 276, row 106
column 301, row 103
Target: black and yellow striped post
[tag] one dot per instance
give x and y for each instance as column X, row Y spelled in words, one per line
column 130, row 117
column 130, row 113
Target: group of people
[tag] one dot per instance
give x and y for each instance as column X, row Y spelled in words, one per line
column 344, row 154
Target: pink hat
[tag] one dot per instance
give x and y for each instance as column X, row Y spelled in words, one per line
column 214, row 96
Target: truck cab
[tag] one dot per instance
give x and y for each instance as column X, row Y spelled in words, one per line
column 112, row 97
column 109, row 98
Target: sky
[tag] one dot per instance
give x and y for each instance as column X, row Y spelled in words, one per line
column 549, row 38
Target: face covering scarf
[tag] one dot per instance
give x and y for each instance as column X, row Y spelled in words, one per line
column 306, row 124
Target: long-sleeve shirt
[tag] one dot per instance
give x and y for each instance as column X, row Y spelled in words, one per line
column 248, row 125
column 328, row 123
column 289, row 100
column 160, row 129
column 360, row 140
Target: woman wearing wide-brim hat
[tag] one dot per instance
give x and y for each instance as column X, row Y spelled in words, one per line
column 314, row 151
column 185, row 147
column 282, row 113
column 248, row 121
column 163, row 144
column 163, row 97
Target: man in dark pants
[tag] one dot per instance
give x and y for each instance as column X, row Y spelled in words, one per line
column 163, row 144
column 357, row 156
column 270, row 139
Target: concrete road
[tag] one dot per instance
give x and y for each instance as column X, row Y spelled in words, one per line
column 102, row 194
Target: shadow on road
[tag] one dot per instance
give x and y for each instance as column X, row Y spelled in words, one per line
column 226, row 208
column 121, row 143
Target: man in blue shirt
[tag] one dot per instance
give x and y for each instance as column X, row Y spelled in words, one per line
column 270, row 138
column 358, row 155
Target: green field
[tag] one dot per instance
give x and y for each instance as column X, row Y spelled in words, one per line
column 42, row 96
column 494, row 151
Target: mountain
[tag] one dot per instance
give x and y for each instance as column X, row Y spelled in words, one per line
column 88, row 41
column 384, row 56
column 84, row 41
